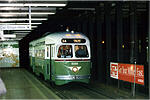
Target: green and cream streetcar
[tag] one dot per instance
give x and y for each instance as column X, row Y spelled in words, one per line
column 61, row 57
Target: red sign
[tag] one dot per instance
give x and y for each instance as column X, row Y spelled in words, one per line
column 126, row 72
column 114, row 70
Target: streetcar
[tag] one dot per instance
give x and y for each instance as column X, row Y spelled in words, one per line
column 61, row 57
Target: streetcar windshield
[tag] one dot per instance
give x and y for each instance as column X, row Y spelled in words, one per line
column 81, row 51
column 65, row 51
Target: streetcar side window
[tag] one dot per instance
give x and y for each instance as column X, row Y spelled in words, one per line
column 43, row 53
column 47, row 51
column 65, row 51
column 52, row 52
column 81, row 51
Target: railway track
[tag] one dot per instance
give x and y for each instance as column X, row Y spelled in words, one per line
column 60, row 91
column 76, row 90
column 98, row 91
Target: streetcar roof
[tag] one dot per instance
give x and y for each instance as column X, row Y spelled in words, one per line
column 56, row 37
column 52, row 38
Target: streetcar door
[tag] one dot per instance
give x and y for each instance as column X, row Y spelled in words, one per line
column 50, row 52
column 47, row 62
column 52, row 55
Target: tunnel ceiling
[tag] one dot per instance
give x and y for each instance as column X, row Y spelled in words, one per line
column 15, row 14
column 45, row 16
column 76, row 12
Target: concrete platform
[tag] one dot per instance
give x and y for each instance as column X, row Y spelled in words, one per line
column 21, row 84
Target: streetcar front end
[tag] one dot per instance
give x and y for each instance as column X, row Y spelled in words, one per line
column 73, row 63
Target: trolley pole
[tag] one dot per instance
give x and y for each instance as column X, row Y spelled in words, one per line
column 134, row 78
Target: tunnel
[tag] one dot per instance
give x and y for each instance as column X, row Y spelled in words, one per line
column 118, row 32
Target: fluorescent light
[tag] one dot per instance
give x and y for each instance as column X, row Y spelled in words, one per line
column 10, row 0
column 20, row 19
column 21, row 31
column 27, row 9
column 7, row 15
column 32, row 4
column 36, row 23
column 9, row 36
column 25, row 13
column 7, row 8
column 36, row 0
column 19, row 23
column 53, row 5
column 38, row 19
column 34, row 26
column 21, row 35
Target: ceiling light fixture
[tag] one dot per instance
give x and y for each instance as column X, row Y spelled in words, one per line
column 25, row 13
column 7, row 8
column 34, row 26
column 8, row 15
column 33, row 4
column 26, row 8
column 19, row 23
column 21, row 19
column 21, row 31
column 10, row 0
column 9, row 36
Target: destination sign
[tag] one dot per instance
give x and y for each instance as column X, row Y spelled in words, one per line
column 73, row 40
